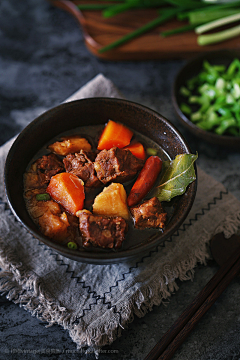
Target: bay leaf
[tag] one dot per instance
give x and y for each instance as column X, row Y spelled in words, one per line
column 177, row 174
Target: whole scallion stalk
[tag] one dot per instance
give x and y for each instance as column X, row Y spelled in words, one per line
column 204, row 16
column 207, row 9
column 209, row 15
column 219, row 36
column 113, row 10
column 168, row 14
column 197, row 12
column 117, row 9
column 189, row 4
column 217, row 23
column 178, row 30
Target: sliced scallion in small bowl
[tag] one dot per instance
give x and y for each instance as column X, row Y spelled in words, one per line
column 206, row 96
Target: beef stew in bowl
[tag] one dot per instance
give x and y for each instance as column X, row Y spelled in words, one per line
column 36, row 157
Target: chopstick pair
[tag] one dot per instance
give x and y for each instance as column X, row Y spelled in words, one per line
column 182, row 327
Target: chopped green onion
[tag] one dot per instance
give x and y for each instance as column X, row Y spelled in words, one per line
column 184, row 91
column 229, row 99
column 220, row 84
column 196, row 116
column 235, row 65
column 193, row 99
column 185, row 109
column 151, row 151
column 225, row 125
column 209, row 121
column 72, row 245
column 236, row 91
column 205, row 104
column 216, row 92
column 224, row 111
column 43, row 197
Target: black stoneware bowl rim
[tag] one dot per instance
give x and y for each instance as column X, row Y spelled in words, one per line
column 39, row 123
column 190, row 68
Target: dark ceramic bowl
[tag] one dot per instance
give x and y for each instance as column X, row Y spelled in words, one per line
column 191, row 69
column 91, row 112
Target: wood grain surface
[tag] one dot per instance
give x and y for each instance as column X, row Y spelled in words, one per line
column 99, row 32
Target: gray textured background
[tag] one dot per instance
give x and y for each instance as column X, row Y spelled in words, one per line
column 43, row 60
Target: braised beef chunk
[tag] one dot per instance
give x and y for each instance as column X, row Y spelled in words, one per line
column 42, row 170
column 106, row 232
column 116, row 165
column 49, row 165
column 149, row 214
column 81, row 164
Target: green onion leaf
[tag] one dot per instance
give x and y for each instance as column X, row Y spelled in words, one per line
column 184, row 91
column 43, row 197
column 235, row 65
column 151, row 151
column 178, row 30
column 185, row 109
column 117, row 9
column 72, row 245
column 225, row 125
column 196, row 116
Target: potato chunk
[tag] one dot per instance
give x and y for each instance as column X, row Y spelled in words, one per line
column 112, row 201
column 47, row 215
column 54, row 226
column 70, row 144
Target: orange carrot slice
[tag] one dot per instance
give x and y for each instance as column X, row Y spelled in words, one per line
column 68, row 190
column 145, row 180
column 114, row 134
column 137, row 150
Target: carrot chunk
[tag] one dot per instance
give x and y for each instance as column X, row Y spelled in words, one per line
column 68, row 190
column 137, row 150
column 145, row 180
column 114, row 135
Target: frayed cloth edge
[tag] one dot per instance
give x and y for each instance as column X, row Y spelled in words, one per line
column 26, row 291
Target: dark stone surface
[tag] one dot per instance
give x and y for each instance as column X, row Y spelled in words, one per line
column 43, row 60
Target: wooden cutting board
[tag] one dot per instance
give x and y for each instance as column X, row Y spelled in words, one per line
column 99, row 32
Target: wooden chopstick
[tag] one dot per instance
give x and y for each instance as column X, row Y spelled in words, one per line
column 182, row 327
